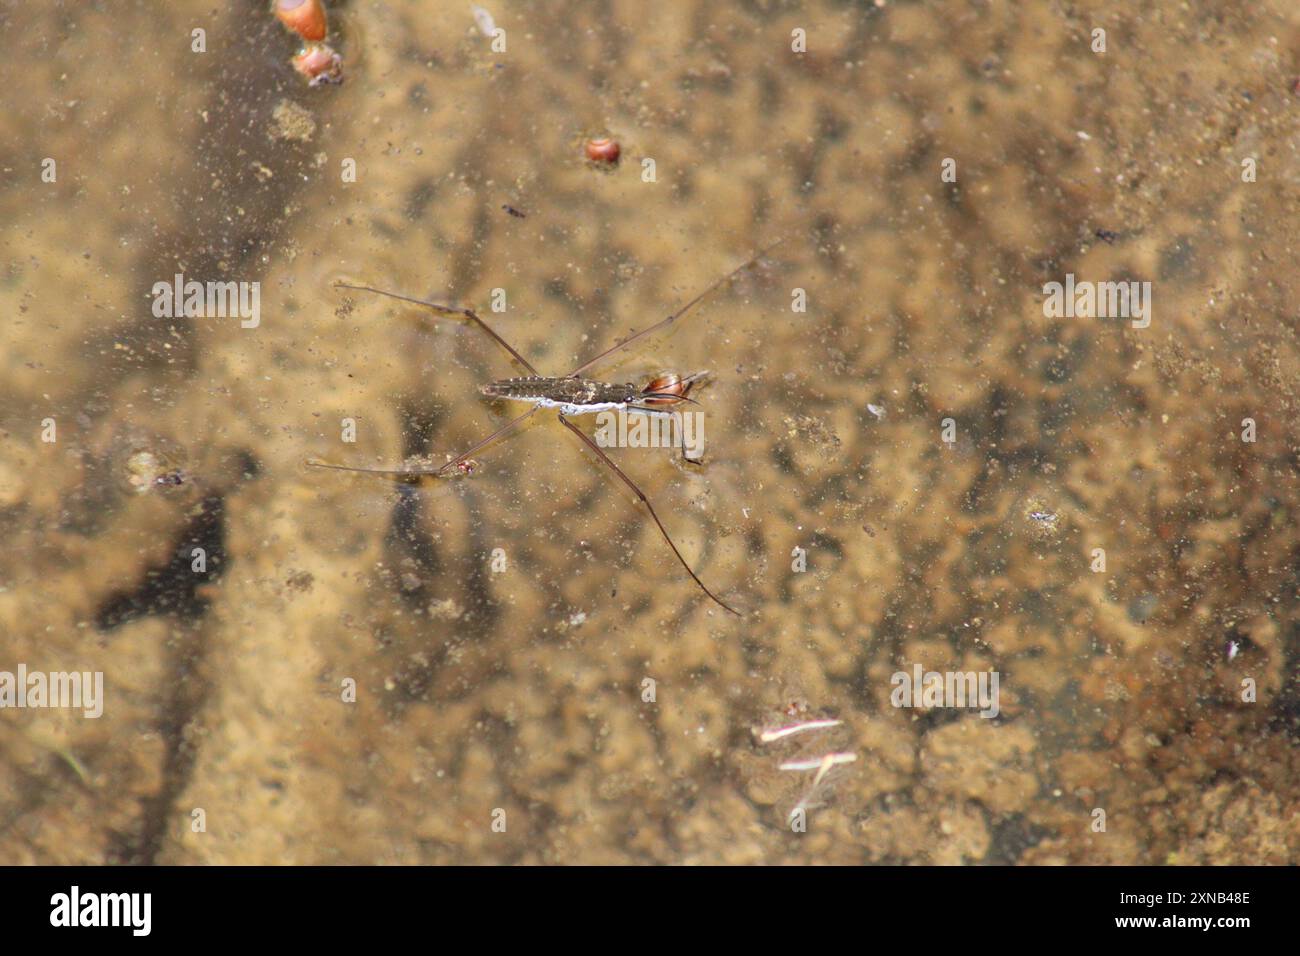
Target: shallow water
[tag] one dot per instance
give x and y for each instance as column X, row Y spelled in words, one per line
column 916, row 469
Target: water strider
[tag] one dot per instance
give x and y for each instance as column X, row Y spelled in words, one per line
column 572, row 395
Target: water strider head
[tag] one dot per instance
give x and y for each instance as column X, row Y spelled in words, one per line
column 668, row 389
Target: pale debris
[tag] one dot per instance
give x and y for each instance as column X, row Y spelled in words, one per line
column 486, row 25
column 767, row 736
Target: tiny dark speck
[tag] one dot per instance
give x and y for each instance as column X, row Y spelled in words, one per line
column 514, row 212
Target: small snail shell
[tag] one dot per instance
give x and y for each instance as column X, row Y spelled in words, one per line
column 304, row 17
column 603, row 150
column 319, row 63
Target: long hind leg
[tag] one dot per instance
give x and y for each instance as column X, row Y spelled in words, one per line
column 439, row 470
column 649, row 507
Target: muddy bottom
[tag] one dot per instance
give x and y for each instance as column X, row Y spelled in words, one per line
column 1016, row 563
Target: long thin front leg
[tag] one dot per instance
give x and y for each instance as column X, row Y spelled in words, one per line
column 677, row 416
column 430, row 469
column 443, row 310
column 680, row 312
column 651, row 508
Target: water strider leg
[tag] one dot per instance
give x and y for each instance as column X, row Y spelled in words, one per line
column 678, row 314
column 430, row 469
column 680, row 428
column 392, row 472
column 651, row 508
column 441, row 310
column 490, row 439
column 444, row 310
column 681, row 431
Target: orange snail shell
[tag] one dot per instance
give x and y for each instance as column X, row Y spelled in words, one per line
column 304, row 17
column 603, row 150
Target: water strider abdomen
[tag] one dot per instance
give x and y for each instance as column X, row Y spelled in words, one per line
column 574, row 396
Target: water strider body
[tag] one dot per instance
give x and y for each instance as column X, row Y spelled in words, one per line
column 583, row 396
column 570, row 395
